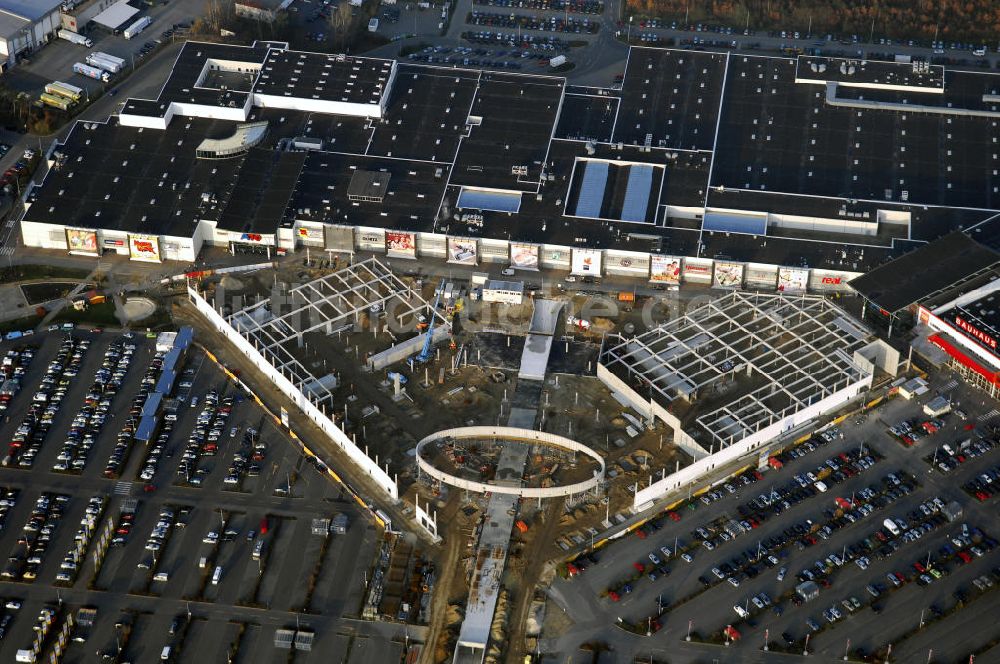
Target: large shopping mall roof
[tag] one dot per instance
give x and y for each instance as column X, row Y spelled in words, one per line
column 717, row 155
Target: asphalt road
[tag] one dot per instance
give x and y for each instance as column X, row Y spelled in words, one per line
column 594, row 618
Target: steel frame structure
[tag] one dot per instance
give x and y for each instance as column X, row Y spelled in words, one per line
column 792, row 350
column 334, row 301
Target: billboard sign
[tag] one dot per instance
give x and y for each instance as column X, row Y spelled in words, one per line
column 463, row 251
column 665, row 270
column 252, row 238
column 524, row 256
column 80, row 241
column 144, row 248
column 728, row 275
column 400, row 244
column 586, row 262
column 792, row 280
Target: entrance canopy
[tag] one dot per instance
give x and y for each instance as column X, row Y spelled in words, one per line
column 116, row 15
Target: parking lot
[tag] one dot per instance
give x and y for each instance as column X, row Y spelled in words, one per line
column 211, row 560
column 857, row 513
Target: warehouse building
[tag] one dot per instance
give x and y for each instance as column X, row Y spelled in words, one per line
column 25, row 26
column 684, row 175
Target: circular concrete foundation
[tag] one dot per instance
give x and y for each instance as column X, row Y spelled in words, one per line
column 138, row 308
column 529, row 436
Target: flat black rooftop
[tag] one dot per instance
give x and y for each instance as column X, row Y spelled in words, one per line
column 670, row 97
column 182, row 84
column 137, row 180
column 512, row 120
column 426, row 113
column 409, row 203
column 920, row 274
column 777, row 135
column 324, row 77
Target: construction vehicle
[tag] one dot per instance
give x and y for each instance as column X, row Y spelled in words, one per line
column 425, row 354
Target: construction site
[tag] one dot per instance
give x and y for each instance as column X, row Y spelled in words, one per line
column 489, row 424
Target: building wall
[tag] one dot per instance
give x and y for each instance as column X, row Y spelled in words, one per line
column 318, row 106
column 77, row 18
column 43, row 236
column 751, row 443
column 379, row 476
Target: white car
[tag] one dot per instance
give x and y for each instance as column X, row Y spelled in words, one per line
column 740, row 611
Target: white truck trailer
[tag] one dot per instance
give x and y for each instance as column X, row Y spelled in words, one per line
column 74, row 37
column 137, row 27
column 92, row 72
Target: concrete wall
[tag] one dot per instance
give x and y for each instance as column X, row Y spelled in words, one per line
column 377, row 474
column 512, row 433
column 751, row 443
column 318, row 106
column 405, row 349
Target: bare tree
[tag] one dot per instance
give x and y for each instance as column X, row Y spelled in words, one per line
column 340, row 22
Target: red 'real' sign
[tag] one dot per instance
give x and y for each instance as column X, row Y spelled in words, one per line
column 833, row 281
column 975, row 332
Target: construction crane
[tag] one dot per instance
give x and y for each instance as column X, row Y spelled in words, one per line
column 425, row 354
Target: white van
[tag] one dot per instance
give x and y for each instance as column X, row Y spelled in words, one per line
column 165, row 653
column 891, row 526
column 217, row 576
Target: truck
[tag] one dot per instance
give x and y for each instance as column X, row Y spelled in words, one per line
column 137, row 27
column 102, row 61
column 557, row 61
column 74, row 37
column 64, row 90
column 92, row 72
column 55, row 101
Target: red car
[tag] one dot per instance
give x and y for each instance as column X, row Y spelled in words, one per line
column 614, row 596
column 674, row 516
column 639, row 567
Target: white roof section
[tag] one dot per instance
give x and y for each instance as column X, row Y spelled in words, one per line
column 115, row 15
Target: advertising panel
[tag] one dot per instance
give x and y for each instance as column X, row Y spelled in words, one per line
column 251, row 238
column 728, row 275
column 338, row 238
column 524, row 256
column 665, row 270
column 758, row 276
column 144, row 248
column 463, row 251
column 627, row 263
column 400, row 244
column 586, row 262
column 792, row 280
column 82, row 242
